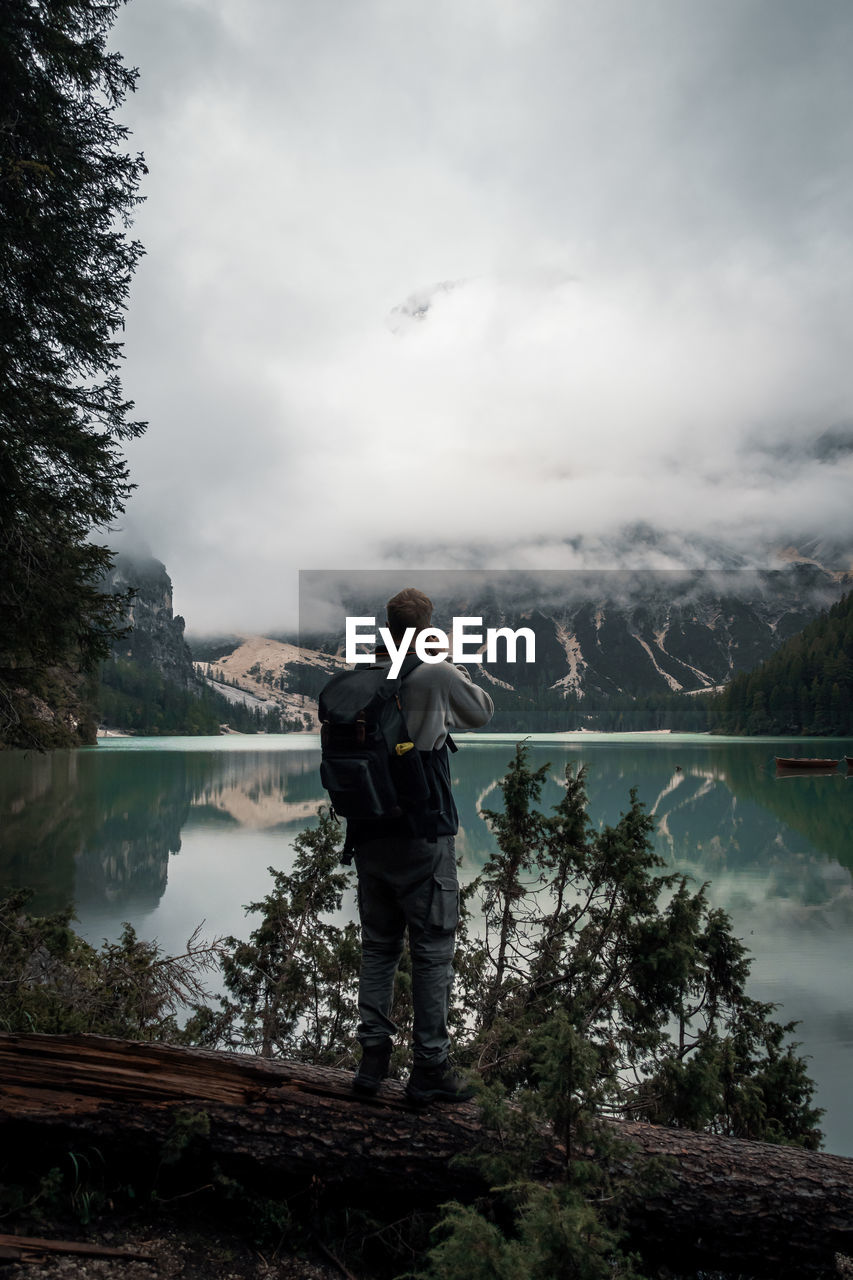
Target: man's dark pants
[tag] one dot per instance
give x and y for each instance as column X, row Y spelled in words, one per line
column 404, row 882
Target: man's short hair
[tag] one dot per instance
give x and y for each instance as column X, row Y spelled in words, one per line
column 408, row 608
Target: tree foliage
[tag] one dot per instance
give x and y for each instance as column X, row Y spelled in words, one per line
column 67, row 193
column 805, row 687
column 56, row 983
column 583, row 924
column 598, row 986
column 542, row 708
column 291, row 986
column 139, row 698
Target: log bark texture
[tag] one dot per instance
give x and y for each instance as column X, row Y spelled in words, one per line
column 728, row 1204
column 34, row 1248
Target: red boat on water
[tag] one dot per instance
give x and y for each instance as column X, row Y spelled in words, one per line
column 808, row 762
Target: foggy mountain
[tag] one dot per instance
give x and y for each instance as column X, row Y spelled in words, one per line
column 599, row 636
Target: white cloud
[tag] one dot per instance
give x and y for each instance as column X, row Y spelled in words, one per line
column 645, row 215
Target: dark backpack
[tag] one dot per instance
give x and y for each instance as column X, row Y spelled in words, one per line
column 370, row 767
column 374, row 775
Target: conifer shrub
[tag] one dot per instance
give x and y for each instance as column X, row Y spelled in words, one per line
column 596, row 988
column 55, row 983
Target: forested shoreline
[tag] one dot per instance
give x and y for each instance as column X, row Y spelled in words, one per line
column 806, row 687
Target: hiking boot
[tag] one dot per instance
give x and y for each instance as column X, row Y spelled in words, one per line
column 440, row 1083
column 373, row 1068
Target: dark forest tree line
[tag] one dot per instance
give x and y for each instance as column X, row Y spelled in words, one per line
column 140, row 699
column 805, row 687
column 547, row 710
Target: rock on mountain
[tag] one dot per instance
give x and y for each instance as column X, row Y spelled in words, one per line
column 267, row 672
column 665, row 633
column 156, row 639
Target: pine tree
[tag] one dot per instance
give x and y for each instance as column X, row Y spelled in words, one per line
column 67, row 192
column 621, row 993
column 584, row 924
column 292, row 985
column 804, row 687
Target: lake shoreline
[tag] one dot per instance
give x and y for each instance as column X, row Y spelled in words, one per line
column 310, row 740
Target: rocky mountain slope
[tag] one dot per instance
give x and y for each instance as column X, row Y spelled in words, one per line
column 156, row 638
column 599, row 636
column 663, row 633
column 272, row 673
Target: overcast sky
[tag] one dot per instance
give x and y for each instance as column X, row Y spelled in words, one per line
column 445, row 283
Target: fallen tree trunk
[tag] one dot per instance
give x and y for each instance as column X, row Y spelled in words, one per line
column 728, row 1204
column 35, row 1249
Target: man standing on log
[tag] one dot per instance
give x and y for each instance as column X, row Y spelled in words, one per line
column 411, row 882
